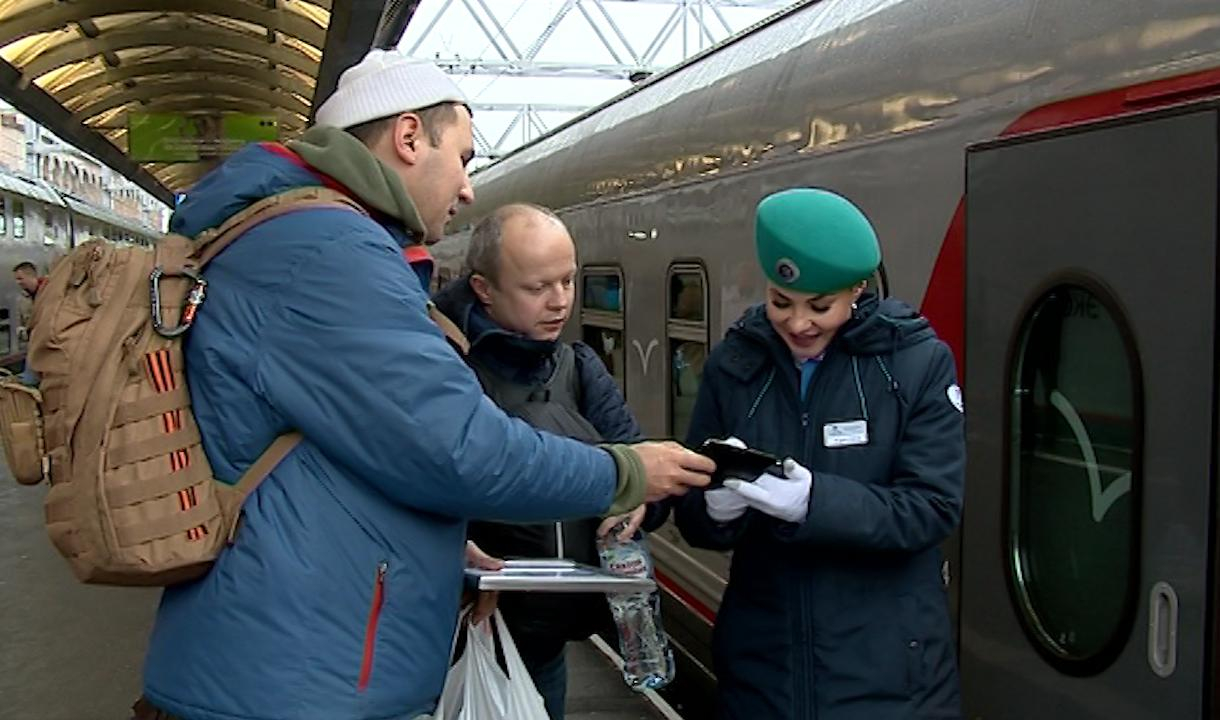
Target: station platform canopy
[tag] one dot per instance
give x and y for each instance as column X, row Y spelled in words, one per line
column 160, row 90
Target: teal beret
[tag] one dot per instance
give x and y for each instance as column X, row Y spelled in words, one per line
column 814, row 241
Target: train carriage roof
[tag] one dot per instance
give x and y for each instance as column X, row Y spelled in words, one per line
column 15, row 185
column 26, row 187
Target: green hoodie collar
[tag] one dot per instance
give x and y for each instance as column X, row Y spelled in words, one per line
column 347, row 160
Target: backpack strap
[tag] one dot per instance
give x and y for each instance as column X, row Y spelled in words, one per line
column 259, row 471
column 209, row 243
column 284, row 444
column 452, row 332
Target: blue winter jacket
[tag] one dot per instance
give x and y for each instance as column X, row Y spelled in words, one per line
column 844, row 616
column 339, row 598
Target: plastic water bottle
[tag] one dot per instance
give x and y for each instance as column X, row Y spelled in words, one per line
column 648, row 661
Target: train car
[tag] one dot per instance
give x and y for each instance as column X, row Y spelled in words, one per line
column 39, row 224
column 1043, row 177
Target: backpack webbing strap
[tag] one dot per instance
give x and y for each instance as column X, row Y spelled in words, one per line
column 210, row 243
column 452, row 332
column 261, row 468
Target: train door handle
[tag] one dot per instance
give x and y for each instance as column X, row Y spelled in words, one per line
column 1163, row 629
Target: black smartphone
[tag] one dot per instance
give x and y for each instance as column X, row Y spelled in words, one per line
column 737, row 463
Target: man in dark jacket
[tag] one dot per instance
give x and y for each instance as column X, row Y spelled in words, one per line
column 338, row 599
column 512, row 306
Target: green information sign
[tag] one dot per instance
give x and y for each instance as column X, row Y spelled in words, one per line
column 174, row 137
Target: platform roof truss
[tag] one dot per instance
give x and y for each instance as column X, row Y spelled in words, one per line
column 101, row 59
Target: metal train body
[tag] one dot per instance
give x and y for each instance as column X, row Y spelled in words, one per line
column 1020, row 159
column 36, row 224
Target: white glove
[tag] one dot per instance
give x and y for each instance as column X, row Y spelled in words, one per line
column 785, row 498
column 724, row 505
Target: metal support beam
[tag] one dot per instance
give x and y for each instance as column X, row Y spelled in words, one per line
column 264, row 75
column 462, row 66
column 518, row 107
column 213, row 88
column 353, row 28
column 202, row 104
column 49, row 17
column 174, row 37
column 394, row 20
column 624, row 45
column 45, row 110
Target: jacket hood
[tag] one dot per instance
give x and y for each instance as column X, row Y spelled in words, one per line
column 510, row 354
column 257, row 171
column 340, row 155
column 877, row 327
column 883, row 326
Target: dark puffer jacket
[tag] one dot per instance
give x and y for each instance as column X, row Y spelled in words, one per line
column 843, row 617
column 542, row 622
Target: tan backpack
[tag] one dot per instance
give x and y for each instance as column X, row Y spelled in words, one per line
column 132, row 498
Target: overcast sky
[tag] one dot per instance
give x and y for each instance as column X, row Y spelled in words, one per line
column 456, row 34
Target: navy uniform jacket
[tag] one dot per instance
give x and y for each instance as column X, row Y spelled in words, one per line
column 842, row 617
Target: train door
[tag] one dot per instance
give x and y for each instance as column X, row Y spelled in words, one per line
column 1090, row 400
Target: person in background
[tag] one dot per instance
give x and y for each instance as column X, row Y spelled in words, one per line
column 25, row 274
column 835, row 606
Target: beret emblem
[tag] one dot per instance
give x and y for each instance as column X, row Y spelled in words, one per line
column 787, row 270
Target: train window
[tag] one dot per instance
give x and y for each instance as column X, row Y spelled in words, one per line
column 686, row 334
column 18, row 219
column 601, row 318
column 602, row 291
column 1074, row 478
column 686, row 294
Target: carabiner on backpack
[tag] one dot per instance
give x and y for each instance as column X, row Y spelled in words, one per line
column 193, row 300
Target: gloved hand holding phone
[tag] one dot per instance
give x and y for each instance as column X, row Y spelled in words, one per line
column 785, row 497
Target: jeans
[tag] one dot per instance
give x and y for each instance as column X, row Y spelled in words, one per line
column 550, row 676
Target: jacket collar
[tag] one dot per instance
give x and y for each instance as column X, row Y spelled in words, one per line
column 344, row 158
column 510, row 354
column 877, row 327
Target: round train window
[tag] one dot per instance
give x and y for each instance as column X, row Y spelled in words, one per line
column 1074, row 478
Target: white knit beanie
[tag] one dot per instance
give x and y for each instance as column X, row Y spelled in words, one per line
column 385, row 83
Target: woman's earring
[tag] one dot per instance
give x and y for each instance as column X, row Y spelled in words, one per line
column 854, row 307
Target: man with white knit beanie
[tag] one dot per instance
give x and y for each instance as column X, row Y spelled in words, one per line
column 391, row 103
column 337, row 599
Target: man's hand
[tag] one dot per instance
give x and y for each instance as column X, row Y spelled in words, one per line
column 634, row 519
column 485, row 603
column 672, row 469
column 476, row 558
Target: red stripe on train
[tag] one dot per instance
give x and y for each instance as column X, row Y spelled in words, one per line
column 685, row 597
column 945, row 302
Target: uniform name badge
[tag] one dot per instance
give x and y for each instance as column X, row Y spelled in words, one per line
column 845, row 434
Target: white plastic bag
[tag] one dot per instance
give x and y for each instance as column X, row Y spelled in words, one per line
column 523, row 700
column 455, row 680
column 477, row 688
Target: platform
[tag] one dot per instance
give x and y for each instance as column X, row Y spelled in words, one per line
column 74, row 652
